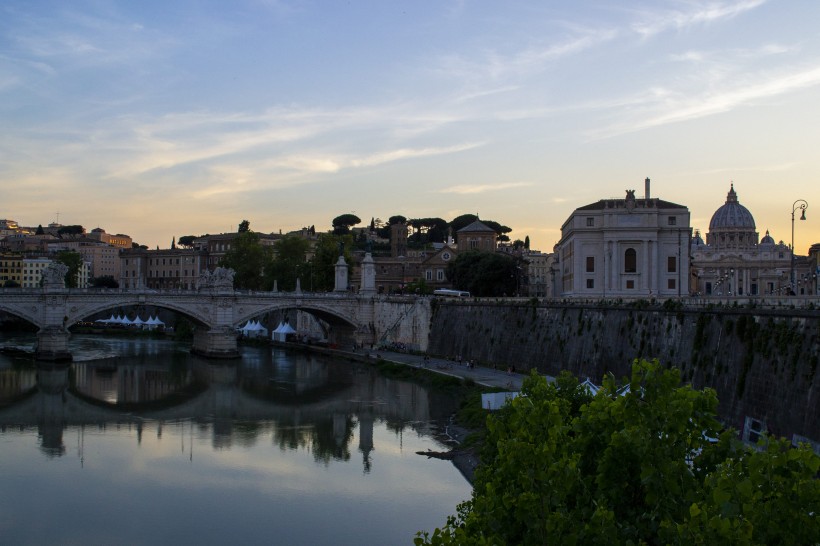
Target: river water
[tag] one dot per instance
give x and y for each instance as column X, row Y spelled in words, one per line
column 139, row 442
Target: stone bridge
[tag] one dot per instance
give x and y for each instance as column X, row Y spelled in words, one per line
column 216, row 310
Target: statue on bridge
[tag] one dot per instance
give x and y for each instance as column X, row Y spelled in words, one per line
column 220, row 279
column 54, row 275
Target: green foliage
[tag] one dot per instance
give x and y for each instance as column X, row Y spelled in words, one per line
column 186, row 241
column 325, row 256
column 462, row 221
column 71, row 230
column 483, row 273
column 289, row 264
column 244, row 226
column 418, row 286
column 426, row 231
column 561, row 467
column 74, row 261
column 11, row 284
column 343, row 223
column 249, row 259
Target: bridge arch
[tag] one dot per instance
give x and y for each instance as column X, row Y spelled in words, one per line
column 99, row 307
column 29, row 314
column 341, row 326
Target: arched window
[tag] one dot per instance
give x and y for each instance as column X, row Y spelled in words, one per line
column 630, row 261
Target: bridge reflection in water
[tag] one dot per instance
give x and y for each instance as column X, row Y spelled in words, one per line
column 302, row 448
column 303, row 400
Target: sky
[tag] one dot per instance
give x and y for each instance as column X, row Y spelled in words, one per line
column 160, row 119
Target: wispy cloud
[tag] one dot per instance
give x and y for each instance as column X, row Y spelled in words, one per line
column 680, row 107
column 697, row 13
column 407, row 153
column 492, row 65
column 466, row 189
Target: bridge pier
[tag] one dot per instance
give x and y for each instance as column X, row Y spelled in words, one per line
column 215, row 343
column 52, row 344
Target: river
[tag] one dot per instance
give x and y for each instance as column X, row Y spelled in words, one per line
column 139, row 442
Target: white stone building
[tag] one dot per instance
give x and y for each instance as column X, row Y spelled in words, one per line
column 732, row 262
column 631, row 247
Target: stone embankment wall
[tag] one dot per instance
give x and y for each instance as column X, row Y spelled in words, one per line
column 762, row 363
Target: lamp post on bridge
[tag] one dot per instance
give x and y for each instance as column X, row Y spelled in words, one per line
column 802, row 205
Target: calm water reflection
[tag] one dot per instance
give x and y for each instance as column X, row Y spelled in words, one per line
column 139, row 442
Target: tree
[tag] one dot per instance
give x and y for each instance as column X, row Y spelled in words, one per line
column 40, row 230
column 462, row 221
column 502, row 231
column 634, row 467
column 428, row 230
column 10, row 283
column 71, row 230
column 418, row 286
column 105, row 281
column 249, row 259
column 244, row 226
column 186, row 241
column 325, row 256
column 289, row 264
column 74, row 261
column 343, row 223
column 484, row 273
column 527, row 242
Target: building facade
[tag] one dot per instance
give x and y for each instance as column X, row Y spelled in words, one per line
column 732, row 262
column 169, row 269
column 629, row 247
column 11, row 269
column 103, row 259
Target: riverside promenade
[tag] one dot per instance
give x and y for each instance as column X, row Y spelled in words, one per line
column 488, row 377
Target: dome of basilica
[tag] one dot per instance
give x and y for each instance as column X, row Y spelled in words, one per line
column 767, row 239
column 732, row 215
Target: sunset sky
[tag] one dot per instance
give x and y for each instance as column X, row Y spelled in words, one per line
column 167, row 118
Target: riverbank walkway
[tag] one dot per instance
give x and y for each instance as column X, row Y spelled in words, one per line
column 488, row 377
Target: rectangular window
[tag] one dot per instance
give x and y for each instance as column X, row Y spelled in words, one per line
column 630, row 285
column 670, row 284
column 590, row 264
column 673, row 221
column 429, row 275
column 672, row 264
column 440, row 275
column 708, row 289
column 590, row 222
column 590, row 283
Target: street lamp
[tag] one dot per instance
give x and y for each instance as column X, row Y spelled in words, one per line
column 802, row 205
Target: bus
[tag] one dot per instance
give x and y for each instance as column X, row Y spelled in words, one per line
column 448, row 293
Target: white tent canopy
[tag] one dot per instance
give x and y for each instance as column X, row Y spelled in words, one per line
column 253, row 329
column 282, row 331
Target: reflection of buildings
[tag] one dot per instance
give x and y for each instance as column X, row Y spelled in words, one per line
column 127, row 384
column 301, row 402
column 15, row 383
column 731, row 262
